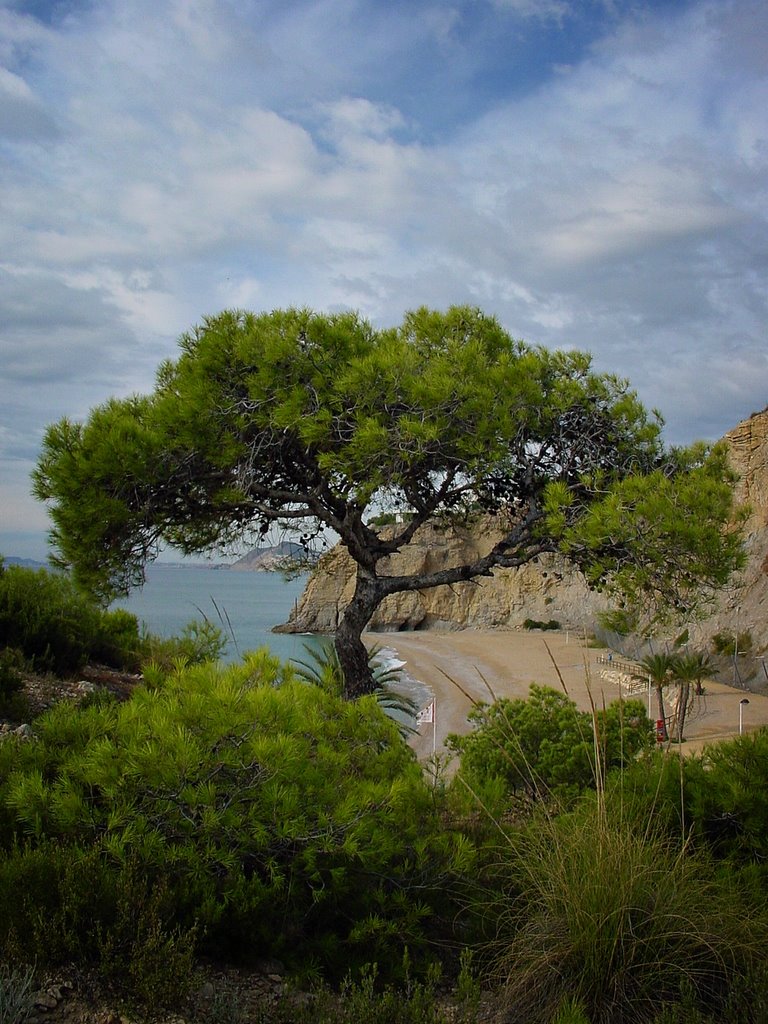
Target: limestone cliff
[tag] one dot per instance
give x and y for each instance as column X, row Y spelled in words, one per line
column 549, row 589
column 743, row 606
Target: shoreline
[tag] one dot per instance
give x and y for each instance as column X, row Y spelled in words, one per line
column 464, row 666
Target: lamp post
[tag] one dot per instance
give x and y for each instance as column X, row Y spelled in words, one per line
column 736, row 649
column 742, row 702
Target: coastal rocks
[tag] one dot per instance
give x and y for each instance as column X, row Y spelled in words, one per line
column 748, row 454
column 269, row 558
column 544, row 590
column 549, row 588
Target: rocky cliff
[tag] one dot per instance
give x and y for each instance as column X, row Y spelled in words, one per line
column 268, row 558
column 550, row 588
column 743, row 606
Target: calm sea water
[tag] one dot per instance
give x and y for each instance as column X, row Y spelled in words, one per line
column 244, row 605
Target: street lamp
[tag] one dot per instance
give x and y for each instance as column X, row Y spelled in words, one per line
column 742, row 702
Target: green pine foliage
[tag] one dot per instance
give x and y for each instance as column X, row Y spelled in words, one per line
column 324, row 421
column 277, row 818
column 544, row 745
column 718, row 799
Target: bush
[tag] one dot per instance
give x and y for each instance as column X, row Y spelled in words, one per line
column 277, row 817
column 537, row 624
column 544, row 744
column 11, row 679
column 619, row 620
column 621, row 923
column 56, row 628
column 199, row 641
column 64, row 904
column 730, row 644
column 366, row 1001
column 718, row 798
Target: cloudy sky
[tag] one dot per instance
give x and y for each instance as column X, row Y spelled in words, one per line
column 593, row 172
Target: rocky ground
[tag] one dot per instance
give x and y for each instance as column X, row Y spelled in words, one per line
column 41, row 692
column 225, row 996
column 262, row 995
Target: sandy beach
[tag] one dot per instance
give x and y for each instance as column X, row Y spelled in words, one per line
column 491, row 664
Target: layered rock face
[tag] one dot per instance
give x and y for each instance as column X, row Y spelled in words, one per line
column 743, row 606
column 549, row 588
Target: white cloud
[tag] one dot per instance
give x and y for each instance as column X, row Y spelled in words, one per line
column 539, row 9
column 645, row 205
column 22, row 115
column 361, row 117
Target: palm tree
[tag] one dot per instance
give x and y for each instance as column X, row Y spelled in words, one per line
column 704, row 669
column 689, row 668
column 659, row 669
column 323, row 669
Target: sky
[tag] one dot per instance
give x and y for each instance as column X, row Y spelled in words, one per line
column 591, row 172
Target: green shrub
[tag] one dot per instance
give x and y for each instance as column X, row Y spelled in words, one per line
column 726, row 790
column 619, row 620
column 280, row 819
column 730, row 643
column 11, row 680
column 117, row 640
column 364, row 1000
column 718, row 798
column 65, row 904
column 58, row 629
column 544, row 744
column 139, row 950
column 537, row 624
column 198, row 642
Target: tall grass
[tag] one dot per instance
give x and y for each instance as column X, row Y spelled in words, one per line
column 15, row 994
column 601, row 916
column 619, row 921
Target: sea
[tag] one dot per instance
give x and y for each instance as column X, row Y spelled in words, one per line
column 245, row 606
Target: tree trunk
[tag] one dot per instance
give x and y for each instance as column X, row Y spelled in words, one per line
column 683, row 698
column 662, row 715
column 352, row 652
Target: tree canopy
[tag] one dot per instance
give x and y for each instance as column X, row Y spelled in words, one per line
column 322, row 421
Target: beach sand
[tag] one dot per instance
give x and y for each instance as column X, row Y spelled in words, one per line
column 492, row 664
